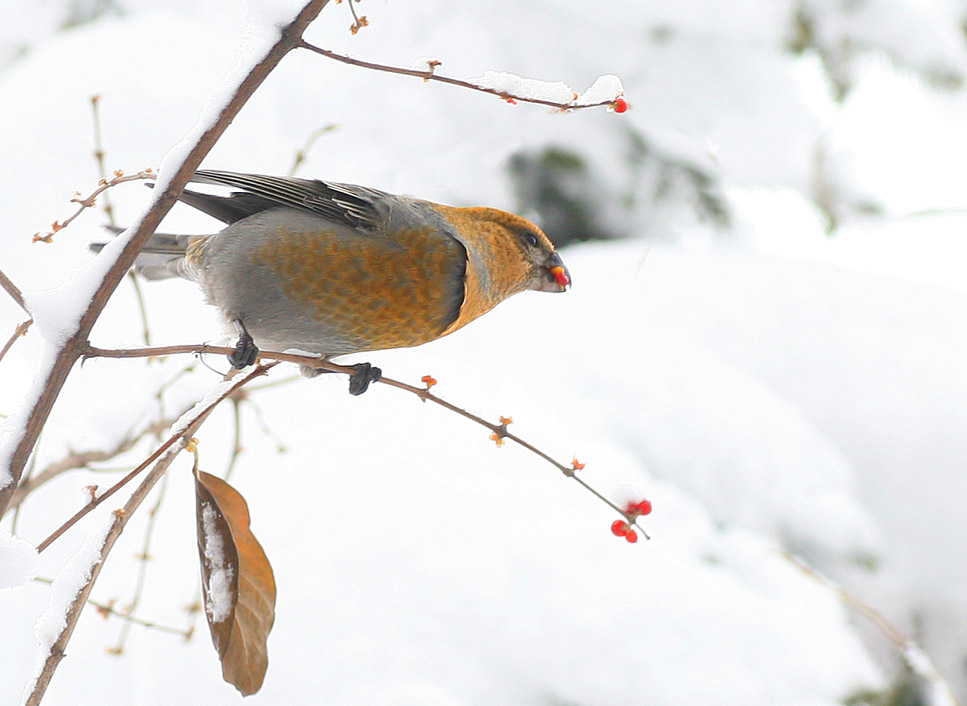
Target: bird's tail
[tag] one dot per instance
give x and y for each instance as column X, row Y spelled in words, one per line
column 163, row 256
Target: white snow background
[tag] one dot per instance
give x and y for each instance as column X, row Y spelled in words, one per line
column 769, row 386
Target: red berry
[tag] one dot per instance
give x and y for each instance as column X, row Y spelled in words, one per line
column 620, row 528
column 631, row 536
column 642, row 507
column 620, row 105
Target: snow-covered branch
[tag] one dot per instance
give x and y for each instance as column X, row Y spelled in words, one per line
column 23, row 429
column 57, row 625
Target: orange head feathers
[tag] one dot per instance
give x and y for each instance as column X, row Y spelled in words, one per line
column 506, row 254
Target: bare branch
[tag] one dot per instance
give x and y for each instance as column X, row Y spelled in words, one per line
column 358, row 22
column 171, row 449
column 237, row 443
column 431, row 75
column 143, row 559
column 174, row 439
column 303, row 152
column 18, row 332
column 91, row 201
column 82, row 459
column 107, row 609
column 911, row 653
column 499, row 431
column 14, row 291
column 108, row 207
column 142, row 308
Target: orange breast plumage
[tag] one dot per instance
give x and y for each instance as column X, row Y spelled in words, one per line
column 381, row 293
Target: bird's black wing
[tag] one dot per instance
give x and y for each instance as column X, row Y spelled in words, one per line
column 353, row 206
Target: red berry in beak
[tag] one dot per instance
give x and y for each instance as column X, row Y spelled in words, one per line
column 560, row 276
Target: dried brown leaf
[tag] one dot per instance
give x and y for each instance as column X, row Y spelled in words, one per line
column 237, row 583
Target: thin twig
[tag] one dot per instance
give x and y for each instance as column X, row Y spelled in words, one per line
column 108, row 207
column 237, row 443
column 108, row 493
column 358, row 22
column 172, row 440
column 143, row 558
column 911, row 653
column 90, row 201
column 431, row 75
column 107, row 609
column 499, row 430
column 142, row 308
column 280, row 445
column 303, row 152
column 13, row 290
column 28, row 474
column 82, row 459
column 89, row 351
column 18, row 332
column 121, row 518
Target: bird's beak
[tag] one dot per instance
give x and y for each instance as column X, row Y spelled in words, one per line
column 557, row 278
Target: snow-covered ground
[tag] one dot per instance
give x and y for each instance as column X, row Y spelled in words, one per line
column 769, row 385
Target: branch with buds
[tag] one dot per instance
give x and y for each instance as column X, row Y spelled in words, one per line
column 427, row 72
column 90, row 201
column 629, row 513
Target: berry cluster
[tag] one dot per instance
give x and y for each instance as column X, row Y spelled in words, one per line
column 622, row 528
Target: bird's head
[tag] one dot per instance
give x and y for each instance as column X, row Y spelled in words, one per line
column 506, row 254
column 547, row 272
column 513, row 253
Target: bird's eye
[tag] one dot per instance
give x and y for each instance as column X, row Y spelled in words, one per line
column 531, row 239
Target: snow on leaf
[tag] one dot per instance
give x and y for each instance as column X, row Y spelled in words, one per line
column 237, row 583
column 221, row 588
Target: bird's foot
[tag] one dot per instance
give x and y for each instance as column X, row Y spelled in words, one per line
column 365, row 374
column 245, row 351
column 244, row 354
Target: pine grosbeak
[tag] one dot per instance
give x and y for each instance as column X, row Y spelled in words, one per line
column 331, row 269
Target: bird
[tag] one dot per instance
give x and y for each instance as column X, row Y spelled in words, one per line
column 330, row 269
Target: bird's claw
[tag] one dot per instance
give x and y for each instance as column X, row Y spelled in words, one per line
column 245, row 352
column 365, row 374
